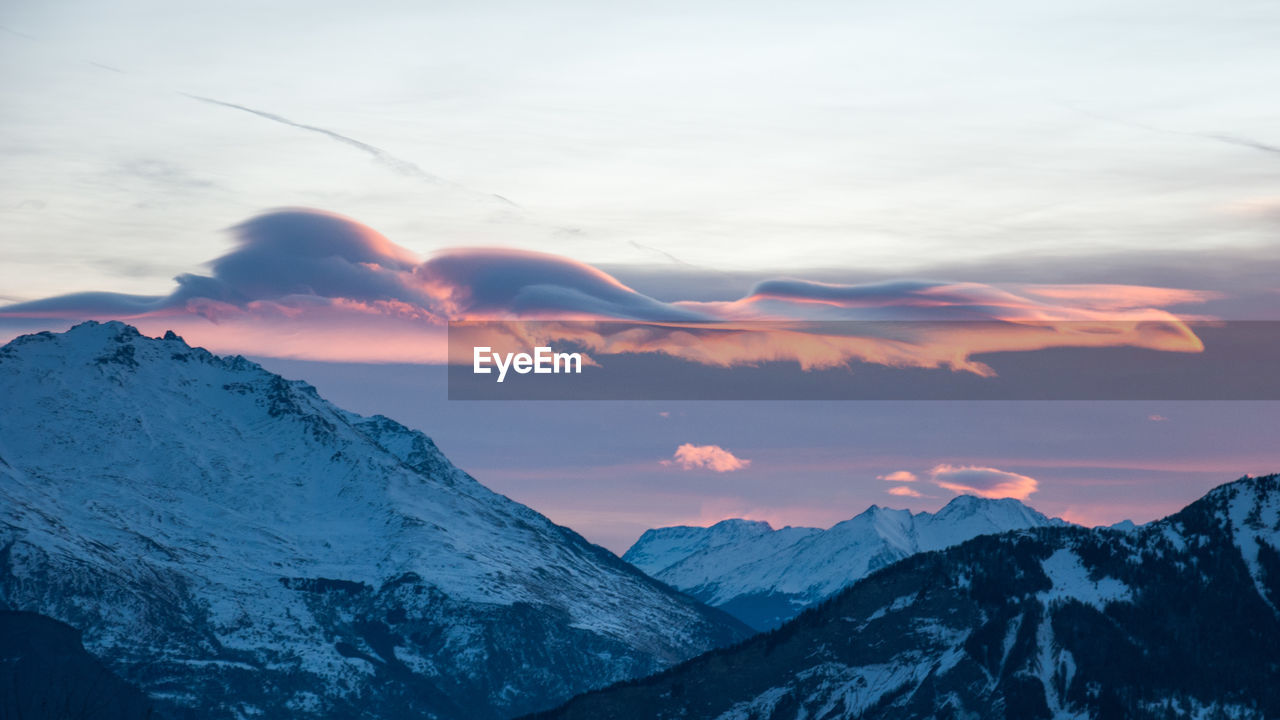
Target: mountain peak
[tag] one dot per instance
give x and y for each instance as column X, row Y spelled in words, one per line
column 767, row 576
column 968, row 501
column 275, row 540
column 966, row 505
column 742, row 524
column 1160, row 622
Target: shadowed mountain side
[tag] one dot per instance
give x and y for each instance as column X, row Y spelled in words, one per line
column 1175, row 619
column 235, row 545
column 45, row 673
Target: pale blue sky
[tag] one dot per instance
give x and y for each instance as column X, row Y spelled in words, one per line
column 741, row 136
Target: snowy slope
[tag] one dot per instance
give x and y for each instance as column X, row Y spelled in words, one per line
column 766, row 576
column 234, row 544
column 1173, row 619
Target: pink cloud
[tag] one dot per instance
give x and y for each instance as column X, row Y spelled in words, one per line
column 904, row 491
column 1119, row 297
column 899, row 476
column 985, row 482
column 707, row 457
column 310, row 284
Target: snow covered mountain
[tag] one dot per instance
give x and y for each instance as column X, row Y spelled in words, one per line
column 1174, row 619
column 236, row 546
column 765, row 577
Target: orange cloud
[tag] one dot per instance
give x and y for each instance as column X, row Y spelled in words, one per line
column 310, row 284
column 904, row 491
column 899, row 476
column 707, row 457
column 1119, row 297
column 984, row 482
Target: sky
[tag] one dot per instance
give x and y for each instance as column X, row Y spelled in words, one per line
column 686, row 153
column 610, row 469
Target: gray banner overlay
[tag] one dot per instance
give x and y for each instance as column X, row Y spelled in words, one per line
column 871, row 360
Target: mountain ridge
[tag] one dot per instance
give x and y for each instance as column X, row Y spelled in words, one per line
column 1176, row 619
column 765, row 576
column 234, row 544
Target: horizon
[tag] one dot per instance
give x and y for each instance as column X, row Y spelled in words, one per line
column 732, row 472
column 583, row 494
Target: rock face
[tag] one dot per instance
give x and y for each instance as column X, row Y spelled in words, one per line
column 236, row 546
column 1174, row 619
column 765, row 577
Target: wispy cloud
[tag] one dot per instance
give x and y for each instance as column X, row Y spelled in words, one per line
column 899, row 476
column 904, row 491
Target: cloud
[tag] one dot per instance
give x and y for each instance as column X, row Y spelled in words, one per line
column 984, row 482
column 1157, row 418
column 487, row 283
column 899, row 476
column 281, row 255
column 904, row 491
column 315, row 285
column 1119, row 297
column 706, row 457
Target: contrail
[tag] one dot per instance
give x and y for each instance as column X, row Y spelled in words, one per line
column 15, row 33
column 675, row 260
column 1242, row 142
column 104, row 66
column 1220, row 137
column 664, row 253
column 403, row 167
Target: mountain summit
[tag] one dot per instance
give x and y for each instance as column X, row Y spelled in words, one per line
column 1174, row 619
column 765, row 577
column 236, row 546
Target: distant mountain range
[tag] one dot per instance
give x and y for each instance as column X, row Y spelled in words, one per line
column 235, row 546
column 765, row 577
column 188, row 536
column 1174, row 619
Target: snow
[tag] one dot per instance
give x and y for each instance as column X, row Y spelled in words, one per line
column 1254, row 516
column 760, row 706
column 658, row 549
column 157, row 464
column 1071, row 581
column 736, row 558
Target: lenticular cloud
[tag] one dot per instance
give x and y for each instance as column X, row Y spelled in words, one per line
column 311, row 284
column 984, row 482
